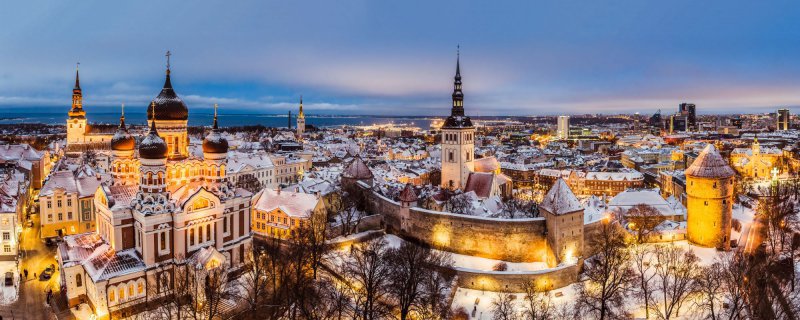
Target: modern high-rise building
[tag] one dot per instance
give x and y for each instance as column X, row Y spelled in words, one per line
column 783, row 119
column 690, row 111
column 563, row 127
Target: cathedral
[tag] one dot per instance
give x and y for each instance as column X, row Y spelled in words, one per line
column 163, row 207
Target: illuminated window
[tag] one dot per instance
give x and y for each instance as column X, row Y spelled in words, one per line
column 130, row 289
column 121, row 293
column 140, row 287
column 112, row 294
column 191, row 237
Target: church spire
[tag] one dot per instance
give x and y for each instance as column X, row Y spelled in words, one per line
column 77, row 78
column 301, row 114
column 167, row 82
column 215, row 127
column 458, row 96
column 77, row 97
column 122, row 118
column 153, row 109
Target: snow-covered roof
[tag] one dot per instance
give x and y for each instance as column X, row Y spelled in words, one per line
column 560, row 199
column 710, row 164
column 294, row 204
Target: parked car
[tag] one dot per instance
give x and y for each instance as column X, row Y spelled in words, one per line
column 9, row 279
column 47, row 273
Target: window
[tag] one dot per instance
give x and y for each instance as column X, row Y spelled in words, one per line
column 6, row 236
column 130, row 289
column 191, row 237
column 705, row 202
column 49, row 204
column 208, row 232
column 78, row 280
column 225, row 225
column 112, row 294
column 7, row 248
column 69, row 202
column 69, row 215
column 121, row 293
column 140, row 288
column 60, row 216
column 58, row 203
column 163, row 241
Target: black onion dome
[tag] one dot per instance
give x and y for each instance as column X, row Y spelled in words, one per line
column 214, row 141
column 122, row 140
column 152, row 146
column 168, row 105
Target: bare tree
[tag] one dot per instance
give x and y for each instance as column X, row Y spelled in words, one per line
column 369, row 274
column 643, row 221
column 504, row 307
column 254, row 282
column 537, row 304
column 458, row 203
column 347, row 209
column 643, row 264
column 250, row 183
column 676, row 271
column 413, row 267
column 734, row 270
column 709, row 284
column 609, row 274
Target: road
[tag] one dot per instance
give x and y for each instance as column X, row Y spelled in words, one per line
column 36, row 256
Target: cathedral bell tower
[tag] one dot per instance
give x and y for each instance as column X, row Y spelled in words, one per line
column 458, row 140
column 76, row 123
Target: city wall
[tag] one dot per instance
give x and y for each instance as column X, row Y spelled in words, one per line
column 548, row 279
column 518, row 240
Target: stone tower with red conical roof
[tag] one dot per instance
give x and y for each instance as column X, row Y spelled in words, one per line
column 709, row 190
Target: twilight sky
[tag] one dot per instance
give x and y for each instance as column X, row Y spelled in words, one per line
column 519, row 57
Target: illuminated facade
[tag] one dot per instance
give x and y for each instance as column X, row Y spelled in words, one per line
column 277, row 214
column 458, row 141
column 162, row 207
column 563, row 215
column 756, row 162
column 709, row 190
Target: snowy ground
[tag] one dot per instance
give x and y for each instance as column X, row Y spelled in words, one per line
column 83, row 312
column 9, row 294
column 478, row 304
column 477, row 263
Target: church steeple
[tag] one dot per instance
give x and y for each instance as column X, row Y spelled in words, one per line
column 77, row 97
column 458, row 95
column 300, row 114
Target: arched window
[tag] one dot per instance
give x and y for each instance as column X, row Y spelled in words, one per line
column 149, row 178
column 208, row 232
column 112, row 294
column 122, row 293
column 222, row 171
column 78, row 280
column 191, row 236
column 160, row 178
column 140, row 287
column 130, row 289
